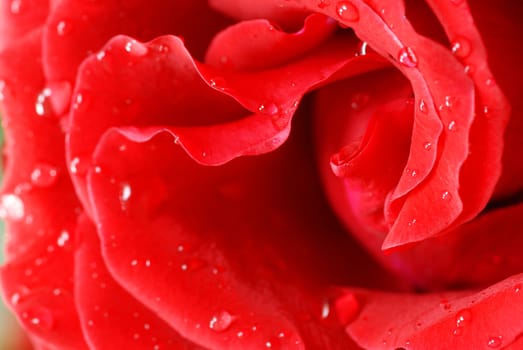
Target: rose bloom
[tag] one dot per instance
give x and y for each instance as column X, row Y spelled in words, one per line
column 277, row 174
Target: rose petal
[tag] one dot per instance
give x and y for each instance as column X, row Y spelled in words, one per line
column 76, row 29
column 107, row 311
column 263, row 46
column 451, row 320
column 256, row 252
column 165, row 69
column 20, row 18
column 38, row 204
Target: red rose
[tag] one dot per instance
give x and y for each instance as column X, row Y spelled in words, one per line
column 156, row 197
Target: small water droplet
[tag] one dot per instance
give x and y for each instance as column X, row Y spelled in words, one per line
column 490, row 82
column 270, row 109
column 445, row 195
column 125, row 192
column 517, row 288
column 221, row 321
column 362, row 48
column 63, row 238
column 423, row 106
column 461, row 47
column 44, row 175
column 39, row 317
column 323, row 4
column 452, row 125
column 359, row 100
column 146, row 326
column 11, row 207
column 100, row 55
column 495, row 342
column 412, row 222
column 78, row 166
column 407, row 57
column 63, row 28
column 135, row 48
column 427, row 146
column 325, row 309
column 43, row 104
column 486, row 110
column 463, row 318
column 469, row 69
column 347, row 11
column 134, row 262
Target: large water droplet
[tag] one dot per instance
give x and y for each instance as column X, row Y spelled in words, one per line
column 461, row 47
column 495, row 342
column 347, row 11
column 270, row 109
column 407, row 57
column 221, row 321
column 11, row 207
column 347, row 308
column 44, row 175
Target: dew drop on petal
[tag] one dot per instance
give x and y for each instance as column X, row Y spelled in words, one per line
column 221, row 321
column 423, row 106
column 427, row 146
column 452, row 125
column 347, row 11
column 44, row 175
column 407, row 57
column 347, row 308
column 445, row 195
column 43, row 104
column 135, row 48
column 63, row 238
column 325, row 309
column 63, row 28
column 39, row 317
column 463, row 318
column 461, row 47
column 323, row 4
column 11, row 207
column 495, row 342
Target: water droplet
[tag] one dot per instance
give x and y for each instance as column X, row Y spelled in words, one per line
column 11, row 207
column 134, row 262
column 347, row 11
column 323, row 4
column 100, row 55
column 412, row 222
column 423, row 106
column 463, row 318
column 270, row 109
column 135, row 48
column 359, row 100
column 16, row 6
column 407, row 57
column 490, row 82
column 39, row 317
column 325, row 309
column 427, row 146
column 461, row 47
column 347, row 308
column 517, row 288
column 78, row 166
column 452, row 125
column 221, row 321
column 125, row 192
column 44, row 175
column 63, row 238
column 495, row 342
column 63, row 28
column 362, row 48
column 43, row 104
column 146, row 326
column 79, row 101
column 445, row 195
column 486, row 110
column 413, row 173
